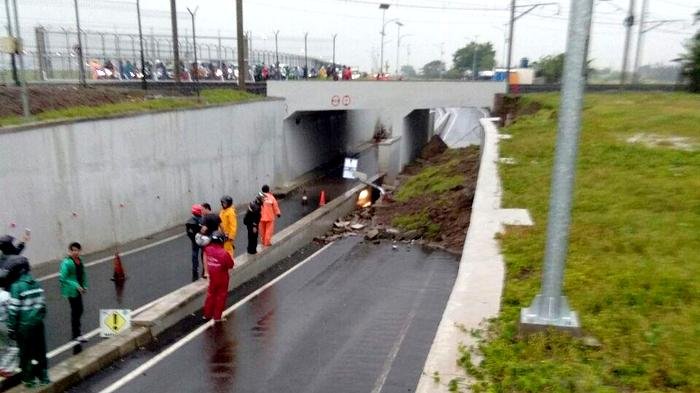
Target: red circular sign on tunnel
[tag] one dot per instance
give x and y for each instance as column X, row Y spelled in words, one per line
column 346, row 100
column 335, row 101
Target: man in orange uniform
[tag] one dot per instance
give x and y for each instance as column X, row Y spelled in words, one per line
column 269, row 212
column 228, row 222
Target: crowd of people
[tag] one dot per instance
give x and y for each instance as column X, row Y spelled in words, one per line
column 22, row 299
column 113, row 69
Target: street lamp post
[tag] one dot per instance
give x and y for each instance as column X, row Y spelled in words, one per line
column 194, row 45
column 476, row 46
column 334, row 37
column 278, row 75
column 398, row 44
column 81, row 60
column 306, row 56
column 550, row 307
column 143, row 60
column 383, row 7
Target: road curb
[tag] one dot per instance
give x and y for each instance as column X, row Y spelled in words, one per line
column 476, row 294
column 173, row 307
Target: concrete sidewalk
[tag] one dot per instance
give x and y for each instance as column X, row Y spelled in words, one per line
column 476, row 295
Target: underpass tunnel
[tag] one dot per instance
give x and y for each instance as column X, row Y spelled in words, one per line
column 319, row 141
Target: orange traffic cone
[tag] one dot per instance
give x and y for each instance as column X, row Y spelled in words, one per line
column 119, row 274
column 322, row 199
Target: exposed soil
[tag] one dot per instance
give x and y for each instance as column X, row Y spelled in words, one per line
column 511, row 107
column 446, row 214
column 46, row 98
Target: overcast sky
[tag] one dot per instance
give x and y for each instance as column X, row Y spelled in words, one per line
column 433, row 29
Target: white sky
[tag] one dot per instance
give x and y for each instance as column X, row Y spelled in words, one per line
column 448, row 24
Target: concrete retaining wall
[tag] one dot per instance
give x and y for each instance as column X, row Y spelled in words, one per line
column 114, row 180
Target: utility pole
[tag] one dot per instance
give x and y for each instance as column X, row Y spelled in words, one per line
column 510, row 45
column 383, row 7
column 81, row 60
column 334, row 37
column 629, row 22
column 398, row 44
column 12, row 55
column 550, row 307
column 144, row 85
column 242, row 68
column 306, row 56
column 474, row 71
column 640, row 41
column 193, row 14
column 278, row 75
column 22, row 80
column 176, row 44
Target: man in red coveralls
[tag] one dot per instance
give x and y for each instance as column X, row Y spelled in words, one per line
column 219, row 262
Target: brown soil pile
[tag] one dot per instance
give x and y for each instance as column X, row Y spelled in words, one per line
column 46, row 98
column 434, row 148
column 449, row 211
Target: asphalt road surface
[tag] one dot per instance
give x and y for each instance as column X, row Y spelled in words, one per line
column 354, row 317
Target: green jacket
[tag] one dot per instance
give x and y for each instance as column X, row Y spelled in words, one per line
column 27, row 307
column 68, row 278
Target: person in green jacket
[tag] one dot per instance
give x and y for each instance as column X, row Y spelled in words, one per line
column 25, row 322
column 73, row 279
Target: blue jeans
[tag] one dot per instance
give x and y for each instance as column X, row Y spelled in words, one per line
column 196, row 250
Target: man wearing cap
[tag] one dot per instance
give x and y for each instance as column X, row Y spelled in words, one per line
column 192, row 228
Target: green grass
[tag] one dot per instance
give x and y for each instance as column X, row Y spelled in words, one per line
column 634, row 254
column 208, row 97
column 433, row 180
column 417, row 222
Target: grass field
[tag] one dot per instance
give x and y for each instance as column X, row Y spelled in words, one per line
column 208, row 97
column 633, row 266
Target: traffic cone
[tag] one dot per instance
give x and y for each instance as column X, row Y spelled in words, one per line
column 322, row 199
column 119, row 274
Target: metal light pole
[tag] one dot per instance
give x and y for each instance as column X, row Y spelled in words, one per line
column 640, row 40
column 550, row 307
column 334, row 37
column 629, row 22
column 510, row 44
column 22, row 80
column 398, row 44
column 176, row 45
column 13, row 60
column 278, row 76
column 144, row 85
column 242, row 68
column 194, row 46
column 81, row 60
column 383, row 7
column 306, row 56
column 474, row 71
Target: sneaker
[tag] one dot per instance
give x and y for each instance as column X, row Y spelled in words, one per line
column 219, row 320
column 29, row 384
column 45, row 382
column 81, row 339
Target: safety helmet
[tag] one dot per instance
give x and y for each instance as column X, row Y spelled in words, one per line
column 197, row 210
column 227, row 200
column 260, row 197
column 218, row 237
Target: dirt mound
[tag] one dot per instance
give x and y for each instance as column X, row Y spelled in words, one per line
column 434, row 148
column 47, row 98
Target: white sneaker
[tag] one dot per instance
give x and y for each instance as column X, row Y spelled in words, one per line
column 81, row 339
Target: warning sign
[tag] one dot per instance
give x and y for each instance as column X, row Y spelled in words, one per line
column 113, row 322
column 349, row 168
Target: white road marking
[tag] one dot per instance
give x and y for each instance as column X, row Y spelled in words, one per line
column 389, row 362
column 106, row 259
column 171, row 349
column 91, row 334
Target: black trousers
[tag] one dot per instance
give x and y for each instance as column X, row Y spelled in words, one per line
column 252, row 240
column 76, row 312
column 32, row 346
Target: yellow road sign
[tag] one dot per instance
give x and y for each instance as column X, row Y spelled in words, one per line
column 113, row 322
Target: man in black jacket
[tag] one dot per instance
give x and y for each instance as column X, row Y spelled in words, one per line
column 251, row 221
column 192, row 227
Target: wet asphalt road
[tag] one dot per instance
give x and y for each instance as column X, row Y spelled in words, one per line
column 358, row 317
column 157, row 271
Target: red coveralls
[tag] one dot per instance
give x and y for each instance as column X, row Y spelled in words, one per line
column 218, row 264
column 270, row 210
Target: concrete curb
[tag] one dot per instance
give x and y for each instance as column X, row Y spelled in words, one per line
column 173, row 307
column 476, row 295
